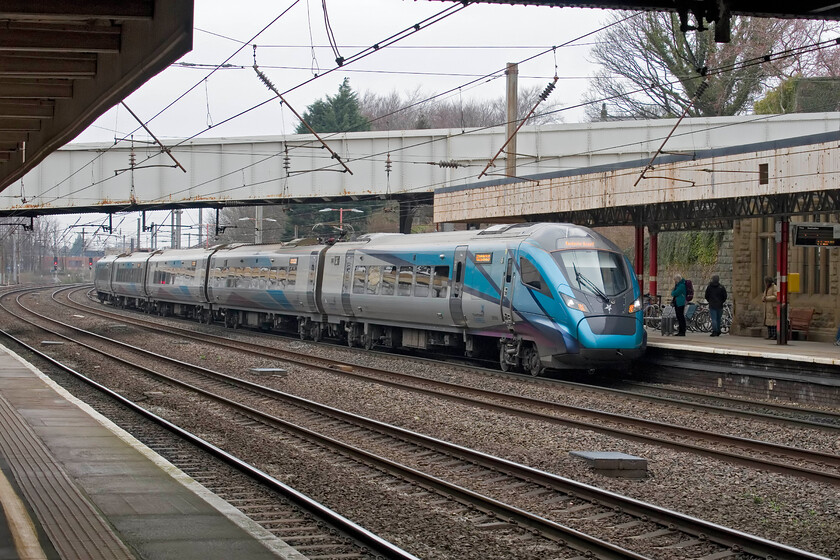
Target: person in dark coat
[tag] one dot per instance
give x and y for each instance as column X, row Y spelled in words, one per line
column 715, row 295
column 678, row 293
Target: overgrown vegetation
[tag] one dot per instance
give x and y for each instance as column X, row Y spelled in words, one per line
column 683, row 248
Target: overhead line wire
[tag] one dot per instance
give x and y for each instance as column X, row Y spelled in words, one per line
column 358, row 56
column 284, row 12
column 757, row 60
column 368, row 50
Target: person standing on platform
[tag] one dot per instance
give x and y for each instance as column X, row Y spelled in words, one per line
column 769, row 300
column 716, row 295
column 678, row 294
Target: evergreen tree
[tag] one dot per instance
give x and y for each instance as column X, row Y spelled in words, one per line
column 78, row 247
column 337, row 113
column 778, row 100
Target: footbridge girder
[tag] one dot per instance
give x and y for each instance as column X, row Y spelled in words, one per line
column 708, row 174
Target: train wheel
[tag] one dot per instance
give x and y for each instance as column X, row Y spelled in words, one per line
column 367, row 341
column 531, row 361
column 504, row 362
column 317, row 333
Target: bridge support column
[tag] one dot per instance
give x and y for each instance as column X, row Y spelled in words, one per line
column 406, row 215
column 653, row 236
column 639, row 264
column 782, row 296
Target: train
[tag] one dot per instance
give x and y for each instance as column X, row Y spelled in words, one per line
column 536, row 296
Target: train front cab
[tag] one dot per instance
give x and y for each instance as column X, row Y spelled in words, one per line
column 570, row 301
column 603, row 302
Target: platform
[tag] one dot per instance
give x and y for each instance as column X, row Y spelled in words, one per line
column 803, row 351
column 73, row 485
column 800, row 372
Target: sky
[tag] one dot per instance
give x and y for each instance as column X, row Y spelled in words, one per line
column 194, row 98
column 291, row 49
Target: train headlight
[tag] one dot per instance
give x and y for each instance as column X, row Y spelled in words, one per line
column 635, row 306
column 573, row 303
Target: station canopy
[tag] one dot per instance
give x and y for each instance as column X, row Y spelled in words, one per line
column 698, row 14
column 63, row 64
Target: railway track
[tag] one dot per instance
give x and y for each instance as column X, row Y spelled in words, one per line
column 738, row 406
column 700, row 401
column 718, row 404
column 302, row 523
column 558, row 497
column 812, row 465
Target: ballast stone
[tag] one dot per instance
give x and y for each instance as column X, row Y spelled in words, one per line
column 614, row 464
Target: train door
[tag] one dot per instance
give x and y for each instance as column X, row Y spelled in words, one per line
column 506, row 288
column 347, row 284
column 455, row 296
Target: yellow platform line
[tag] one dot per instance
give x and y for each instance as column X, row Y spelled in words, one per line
column 20, row 524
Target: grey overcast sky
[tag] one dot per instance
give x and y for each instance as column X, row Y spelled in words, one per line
column 475, row 41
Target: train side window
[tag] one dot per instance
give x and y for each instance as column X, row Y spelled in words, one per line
column 405, row 280
column 422, row 280
column 532, row 278
column 292, row 276
column 359, row 280
column 389, row 279
column 509, row 271
column 441, row 282
column 374, row 279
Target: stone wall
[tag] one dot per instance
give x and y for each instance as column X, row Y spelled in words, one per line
column 739, row 268
column 699, row 274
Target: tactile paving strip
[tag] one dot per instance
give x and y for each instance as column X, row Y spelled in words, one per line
column 73, row 525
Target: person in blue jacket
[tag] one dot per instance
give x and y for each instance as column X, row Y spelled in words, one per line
column 678, row 294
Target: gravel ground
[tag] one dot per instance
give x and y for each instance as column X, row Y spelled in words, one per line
column 789, row 510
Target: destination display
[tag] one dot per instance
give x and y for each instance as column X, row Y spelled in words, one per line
column 816, row 235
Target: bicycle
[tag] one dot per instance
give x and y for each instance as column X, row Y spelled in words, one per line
column 702, row 319
column 726, row 318
column 652, row 312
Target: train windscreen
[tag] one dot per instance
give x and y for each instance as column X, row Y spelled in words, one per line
column 598, row 272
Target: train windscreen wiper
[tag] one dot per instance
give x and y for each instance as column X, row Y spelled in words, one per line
column 583, row 280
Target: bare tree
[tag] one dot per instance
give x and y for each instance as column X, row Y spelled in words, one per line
column 392, row 111
column 650, row 69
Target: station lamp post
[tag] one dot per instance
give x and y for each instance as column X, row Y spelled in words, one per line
column 257, row 226
column 341, row 212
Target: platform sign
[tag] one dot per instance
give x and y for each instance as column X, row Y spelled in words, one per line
column 816, row 234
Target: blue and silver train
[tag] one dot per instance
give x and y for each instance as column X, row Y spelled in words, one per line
column 537, row 295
